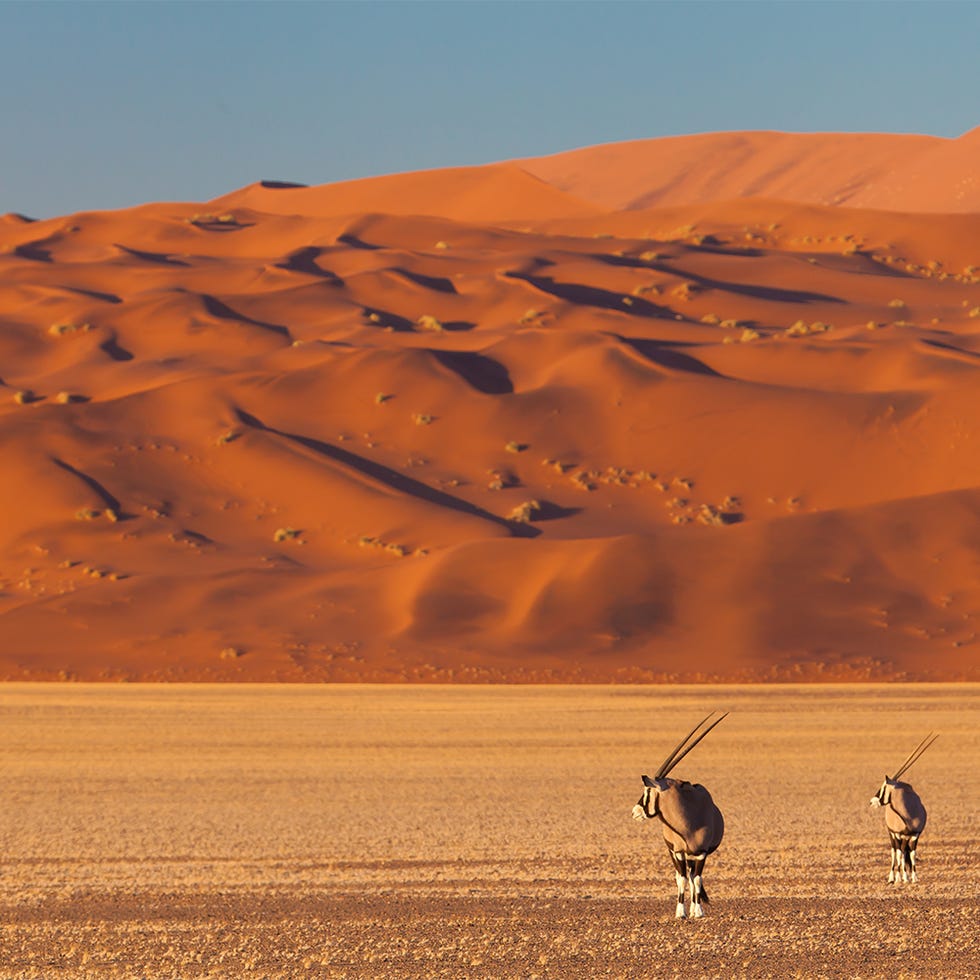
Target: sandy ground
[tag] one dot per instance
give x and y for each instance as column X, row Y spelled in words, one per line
column 360, row 831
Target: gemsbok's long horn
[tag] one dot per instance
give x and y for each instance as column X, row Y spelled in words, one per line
column 675, row 757
column 916, row 753
column 664, row 766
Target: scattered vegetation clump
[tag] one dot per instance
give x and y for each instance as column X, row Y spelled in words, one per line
column 801, row 328
column 711, row 516
column 651, row 256
column 399, row 550
column 651, row 288
column 64, row 327
column 896, row 303
column 230, row 653
column 748, row 335
column 442, row 246
column 230, row 436
column 380, row 398
column 67, row 398
column 530, row 316
column 583, row 480
column 615, row 475
column 286, row 534
column 975, row 312
column 685, row 291
column 711, row 318
column 25, row 397
column 87, row 514
column 420, row 418
column 428, row 322
column 524, row 513
column 208, row 218
column 516, row 447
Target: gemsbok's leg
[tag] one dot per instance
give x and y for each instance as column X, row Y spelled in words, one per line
column 695, row 869
column 906, row 862
column 913, row 842
column 680, row 877
column 893, row 870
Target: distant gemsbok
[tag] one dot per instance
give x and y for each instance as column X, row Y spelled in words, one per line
column 905, row 816
column 693, row 825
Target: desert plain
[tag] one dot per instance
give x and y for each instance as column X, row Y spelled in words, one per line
column 246, row 831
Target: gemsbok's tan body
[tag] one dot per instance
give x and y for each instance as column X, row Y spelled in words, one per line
column 905, row 816
column 692, row 825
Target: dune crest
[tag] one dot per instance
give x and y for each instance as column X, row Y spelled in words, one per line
column 866, row 170
column 504, row 423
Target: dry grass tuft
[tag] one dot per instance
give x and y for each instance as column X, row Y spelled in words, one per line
column 429, row 322
column 524, row 513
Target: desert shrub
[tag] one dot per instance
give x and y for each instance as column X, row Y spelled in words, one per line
column 64, row 327
column 523, row 513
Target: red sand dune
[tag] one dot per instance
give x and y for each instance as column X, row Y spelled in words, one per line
column 874, row 170
column 505, row 422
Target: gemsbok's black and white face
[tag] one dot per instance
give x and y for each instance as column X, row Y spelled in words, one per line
column 884, row 794
column 646, row 807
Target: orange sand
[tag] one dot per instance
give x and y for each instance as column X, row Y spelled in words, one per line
column 538, row 421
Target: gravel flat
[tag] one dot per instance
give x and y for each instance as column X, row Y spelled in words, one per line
column 361, row 831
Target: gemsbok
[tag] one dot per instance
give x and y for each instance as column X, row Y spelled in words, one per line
column 693, row 826
column 905, row 816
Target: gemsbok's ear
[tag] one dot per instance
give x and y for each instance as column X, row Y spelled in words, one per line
column 647, row 781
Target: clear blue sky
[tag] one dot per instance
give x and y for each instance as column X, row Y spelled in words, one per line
column 105, row 105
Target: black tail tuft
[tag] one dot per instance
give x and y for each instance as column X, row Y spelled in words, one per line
column 704, row 895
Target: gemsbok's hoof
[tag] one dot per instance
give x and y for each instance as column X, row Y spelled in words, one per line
column 680, row 914
column 697, row 912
